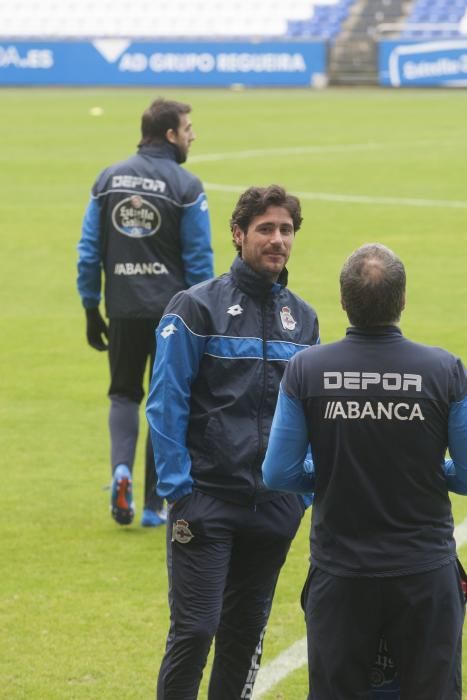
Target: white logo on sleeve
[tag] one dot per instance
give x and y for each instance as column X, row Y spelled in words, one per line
column 168, row 330
column 235, row 310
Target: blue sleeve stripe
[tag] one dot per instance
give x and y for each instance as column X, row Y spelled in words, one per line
column 234, row 348
column 231, row 348
column 283, row 349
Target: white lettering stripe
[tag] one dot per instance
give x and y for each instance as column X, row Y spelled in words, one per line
column 157, row 195
column 296, row 655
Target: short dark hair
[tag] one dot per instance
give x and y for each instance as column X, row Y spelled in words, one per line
column 372, row 285
column 254, row 202
column 159, row 117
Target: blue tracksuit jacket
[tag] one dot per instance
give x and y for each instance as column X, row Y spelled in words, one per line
column 222, row 347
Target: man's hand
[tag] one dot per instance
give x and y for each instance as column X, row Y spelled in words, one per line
column 96, row 329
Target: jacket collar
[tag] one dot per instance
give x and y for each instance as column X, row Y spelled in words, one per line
column 377, row 331
column 159, row 150
column 254, row 284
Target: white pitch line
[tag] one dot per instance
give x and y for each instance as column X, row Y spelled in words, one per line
column 300, row 150
column 296, row 656
column 355, row 199
column 272, row 673
column 289, row 151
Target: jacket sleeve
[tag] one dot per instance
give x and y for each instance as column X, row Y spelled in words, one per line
column 89, row 260
column 456, row 467
column 195, row 234
column 178, row 355
column 285, row 466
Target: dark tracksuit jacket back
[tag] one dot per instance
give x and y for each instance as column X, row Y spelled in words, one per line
column 377, row 411
column 147, row 227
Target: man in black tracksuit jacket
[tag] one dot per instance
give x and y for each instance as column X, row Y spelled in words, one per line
column 379, row 412
column 147, row 227
column 222, row 347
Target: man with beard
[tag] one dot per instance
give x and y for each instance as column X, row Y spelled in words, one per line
column 222, row 348
column 147, row 227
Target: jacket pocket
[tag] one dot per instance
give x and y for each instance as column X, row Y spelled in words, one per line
column 175, row 507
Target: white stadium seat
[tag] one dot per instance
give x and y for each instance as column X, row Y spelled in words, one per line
column 152, row 18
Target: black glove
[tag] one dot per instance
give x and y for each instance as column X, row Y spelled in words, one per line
column 96, row 329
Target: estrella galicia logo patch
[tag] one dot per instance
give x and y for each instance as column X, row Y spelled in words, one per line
column 136, row 217
column 181, row 532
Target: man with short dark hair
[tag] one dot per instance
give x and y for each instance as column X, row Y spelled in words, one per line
column 147, row 227
column 222, row 348
column 379, row 412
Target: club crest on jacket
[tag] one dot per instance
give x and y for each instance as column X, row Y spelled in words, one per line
column 288, row 321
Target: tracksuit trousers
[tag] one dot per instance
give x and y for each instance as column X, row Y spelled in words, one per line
column 132, row 348
column 224, row 560
column 420, row 615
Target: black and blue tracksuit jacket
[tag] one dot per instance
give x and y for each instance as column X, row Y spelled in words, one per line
column 222, row 347
column 147, row 226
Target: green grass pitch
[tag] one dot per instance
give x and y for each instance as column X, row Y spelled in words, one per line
column 83, row 602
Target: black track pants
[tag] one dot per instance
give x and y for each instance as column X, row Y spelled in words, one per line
column 420, row 615
column 222, row 582
column 132, row 347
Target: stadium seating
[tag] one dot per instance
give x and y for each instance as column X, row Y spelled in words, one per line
column 172, row 19
column 325, row 22
column 436, row 19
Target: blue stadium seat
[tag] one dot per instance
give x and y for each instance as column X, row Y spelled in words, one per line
column 436, row 13
column 325, row 22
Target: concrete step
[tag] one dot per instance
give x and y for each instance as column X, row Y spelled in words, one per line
column 353, row 56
